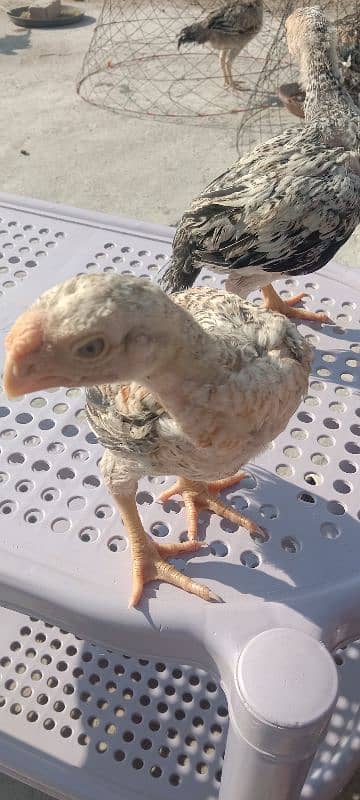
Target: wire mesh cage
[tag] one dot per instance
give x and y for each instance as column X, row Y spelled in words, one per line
column 133, row 64
column 278, row 79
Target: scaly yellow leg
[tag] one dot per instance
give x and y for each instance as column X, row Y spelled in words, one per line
column 149, row 559
column 275, row 303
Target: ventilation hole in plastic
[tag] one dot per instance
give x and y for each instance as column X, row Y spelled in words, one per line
column 119, row 755
column 219, row 548
column 75, row 713
column 32, row 441
column 343, row 487
column 32, row 716
column 290, row 544
column 144, row 498
column 179, row 714
column 8, row 433
column 119, row 669
column 61, row 666
column 7, row 507
column 119, row 711
column 91, row 481
column 10, row 685
column 42, row 699
column 329, row 531
column 52, row 682
column 46, row 424
column 89, row 535
column 83, row 740
column 159, row 529
column 155, row 771
column 355, row 429
column 284, row 470
column 338, row 659
column 299, row 433
column 40, row 466
column 56, row 448
column 326, row 441
column 347, row 377
column 15, row 708
column 319, row 459
column 145, row 700
column 305, row 497
column 239, row 503
column 291, row 452
column 116, row 544
column 323, row 372
column 269, row 511
column 311, row 401
column 65, row 474
column 24, row 418
column 335, row 508
column 331, row 423
column 313, row 478
column 4, row 411
column 249, row 559
column 16, row 458
column 36, row 675
column 33, row 515
column 352, row 447
column 347, row 466
column 15, row 646
column 85, row 697
column 24, row 486
column 93, row 721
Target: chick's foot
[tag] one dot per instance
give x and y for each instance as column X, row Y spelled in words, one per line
column 286, row 307
column 198, row 496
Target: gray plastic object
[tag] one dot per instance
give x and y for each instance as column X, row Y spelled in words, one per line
column 65, row 556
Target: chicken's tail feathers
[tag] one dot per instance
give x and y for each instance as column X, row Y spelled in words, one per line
column 177, row 277
column 192, row 33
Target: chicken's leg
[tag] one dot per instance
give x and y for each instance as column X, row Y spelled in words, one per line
column 149, row 559
column 222, row 62
column 275, row 303
column 197, row 496
column 230, row 56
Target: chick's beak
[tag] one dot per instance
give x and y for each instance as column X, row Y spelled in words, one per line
column 23, row 345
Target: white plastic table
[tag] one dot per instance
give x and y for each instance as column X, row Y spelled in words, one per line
column 148, row 726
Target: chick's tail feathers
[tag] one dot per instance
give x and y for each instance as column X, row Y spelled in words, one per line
column 177, row 277
column 193, row 33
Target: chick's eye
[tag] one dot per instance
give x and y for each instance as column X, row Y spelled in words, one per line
column 91, row 349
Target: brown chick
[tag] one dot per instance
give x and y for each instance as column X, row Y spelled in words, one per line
column 194, row 386
column 228, row 29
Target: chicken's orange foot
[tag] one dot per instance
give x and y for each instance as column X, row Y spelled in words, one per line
column 151, row 564
column 198, row 496
column 275, row 303
column 149, row 559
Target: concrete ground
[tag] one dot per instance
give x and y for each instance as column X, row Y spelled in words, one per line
column 86, row 157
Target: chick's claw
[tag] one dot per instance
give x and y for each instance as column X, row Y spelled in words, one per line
column 150, row 564
column 198, row 496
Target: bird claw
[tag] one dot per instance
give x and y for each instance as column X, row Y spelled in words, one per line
column 150, row 564
column 199, row 496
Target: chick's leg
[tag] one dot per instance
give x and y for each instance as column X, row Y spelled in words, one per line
column 275, row 303
column 222, row 62
column 198, row 496
column 230, row 58
column 149, row 559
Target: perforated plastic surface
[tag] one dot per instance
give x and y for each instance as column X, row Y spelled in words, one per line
column 133, row 725
column 64, row 554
